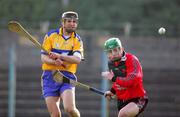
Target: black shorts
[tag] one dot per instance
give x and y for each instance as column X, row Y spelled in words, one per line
column 141, row 103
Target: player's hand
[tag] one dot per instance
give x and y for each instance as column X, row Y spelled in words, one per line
column 57, row 58
column 54, row 56
column 108, row 95
column 58, row 62
column 107, row 75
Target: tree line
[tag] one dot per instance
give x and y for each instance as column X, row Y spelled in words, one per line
column 95, row 14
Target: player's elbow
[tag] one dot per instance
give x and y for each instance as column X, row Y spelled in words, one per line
column 43, row 58
column 77, row 60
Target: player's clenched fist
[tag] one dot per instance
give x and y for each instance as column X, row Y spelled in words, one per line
column 108, row 95
column 58, row 62
column 54, row 56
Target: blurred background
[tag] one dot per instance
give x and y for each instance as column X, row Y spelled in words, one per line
column 135, row 22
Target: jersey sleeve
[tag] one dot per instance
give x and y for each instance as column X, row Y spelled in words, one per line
column 47, row 44
column 78, row 47
column 134, row 74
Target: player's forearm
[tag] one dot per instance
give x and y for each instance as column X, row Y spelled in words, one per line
column 70, row 59
column 46, row 59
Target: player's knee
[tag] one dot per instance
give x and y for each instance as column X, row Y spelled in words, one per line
column 55, row 114
column 73, row 112
column 68, row 110
column 123, row 113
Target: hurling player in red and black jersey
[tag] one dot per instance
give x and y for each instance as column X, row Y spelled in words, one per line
column 126, row 74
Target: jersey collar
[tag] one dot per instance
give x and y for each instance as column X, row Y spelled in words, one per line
column 61, row 33
column 123, row 58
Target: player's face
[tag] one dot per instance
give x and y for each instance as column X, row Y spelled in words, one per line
column 70, row 25
column 115, row 53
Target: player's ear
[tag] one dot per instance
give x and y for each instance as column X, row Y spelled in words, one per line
column 62, row 22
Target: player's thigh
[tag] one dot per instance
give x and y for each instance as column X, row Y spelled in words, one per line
column 131, row 109
column 52, row 103
column 68, row 97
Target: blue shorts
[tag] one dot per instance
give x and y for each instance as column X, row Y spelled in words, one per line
column 52, row 88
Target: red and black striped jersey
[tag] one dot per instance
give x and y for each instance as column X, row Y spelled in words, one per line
column 128, row 77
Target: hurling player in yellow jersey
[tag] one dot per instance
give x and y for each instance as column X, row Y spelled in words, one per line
column 66, row 53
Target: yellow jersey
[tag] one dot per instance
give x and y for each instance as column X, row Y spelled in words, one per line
column 54, row 41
